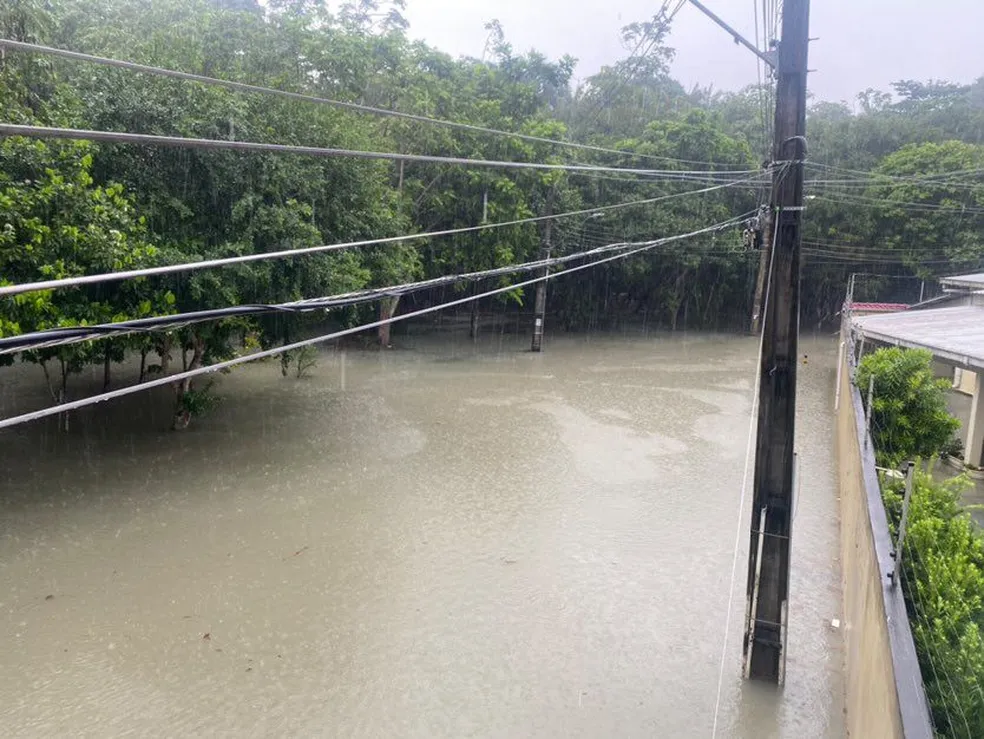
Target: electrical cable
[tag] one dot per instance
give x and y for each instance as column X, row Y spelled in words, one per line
column 120, row 137
column 189, row 374
column 885, row 178
column 355, row 107
column 650, row 40
column 861, row 200
column 60, row 336
column 6, row 290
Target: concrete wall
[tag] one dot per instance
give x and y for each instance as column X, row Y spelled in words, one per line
column 964, row 381
column 885, row 695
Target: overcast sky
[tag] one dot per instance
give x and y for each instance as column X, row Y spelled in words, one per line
column 862, row 43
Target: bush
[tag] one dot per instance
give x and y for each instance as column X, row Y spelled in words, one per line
column 909, row 416
column 943, row 581
column 199, row 402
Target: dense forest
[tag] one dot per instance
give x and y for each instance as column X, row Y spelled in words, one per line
column 895, row 182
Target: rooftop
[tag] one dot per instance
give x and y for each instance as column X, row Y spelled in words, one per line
column 964, row 282
column 955, row 335
column 878, row 307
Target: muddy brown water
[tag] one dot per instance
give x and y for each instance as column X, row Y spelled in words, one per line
column 448, row 539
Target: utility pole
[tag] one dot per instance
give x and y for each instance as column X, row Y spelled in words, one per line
column 540, row 306
column 768, row 565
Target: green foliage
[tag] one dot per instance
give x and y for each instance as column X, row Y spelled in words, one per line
column 909, row 416
column 198, row 401
column 943, row 577
column 305, row 360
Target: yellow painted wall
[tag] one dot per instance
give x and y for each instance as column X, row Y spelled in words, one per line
column 872, row 701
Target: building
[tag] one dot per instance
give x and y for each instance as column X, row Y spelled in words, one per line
column 952, row 328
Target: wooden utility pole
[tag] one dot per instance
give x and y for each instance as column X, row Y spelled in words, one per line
column 540, row 306
column 768, row 562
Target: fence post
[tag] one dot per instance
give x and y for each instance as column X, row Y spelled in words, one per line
column 840, row 369
column 909, row 485
column 867, row 410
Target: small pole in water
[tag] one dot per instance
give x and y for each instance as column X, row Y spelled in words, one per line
column 540, row 303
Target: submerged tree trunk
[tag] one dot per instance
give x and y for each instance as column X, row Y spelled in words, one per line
column 387, row 308
column 182, row 413
column 473, row 326
column 708, row 305
column 57, row 394
column 63, row 393
column 47, row 379
column 286, row 357
column 107, row 366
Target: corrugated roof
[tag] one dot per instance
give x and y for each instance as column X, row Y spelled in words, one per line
column 973, row 282
column 953, row 334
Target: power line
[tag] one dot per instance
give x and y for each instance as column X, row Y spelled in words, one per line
column 120, row 137
column 886, row 178
column 189, row 374
column 832, row 258
column 915, row 207
column 666, row 16
column 61, row 336
column 907, row 249
column 6, row 290
column 862, row 183
column 866, row 250
column 356, row 107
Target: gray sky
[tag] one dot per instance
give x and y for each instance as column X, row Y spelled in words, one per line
column 862, row 43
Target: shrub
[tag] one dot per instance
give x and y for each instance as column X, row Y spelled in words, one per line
column 909, row 416
column 943, row 581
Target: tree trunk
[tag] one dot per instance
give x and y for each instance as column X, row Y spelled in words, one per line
column 57, row 395
column 387, row 307
column 678, row 298
column 143, row 364
column 63, row 393
column 47, row 379
column 182, row 416
column 107, row 366
column 473, row 327
column 286, row 357
column 707, row 307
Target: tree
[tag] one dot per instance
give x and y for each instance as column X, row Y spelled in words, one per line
column 929, row 204
column 909, row 416
column 58, row 223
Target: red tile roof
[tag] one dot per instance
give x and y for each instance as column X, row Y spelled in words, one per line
column 879, row 307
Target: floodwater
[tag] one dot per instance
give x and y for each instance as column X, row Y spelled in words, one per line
column 445, row 540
